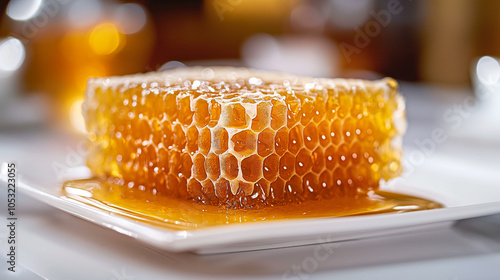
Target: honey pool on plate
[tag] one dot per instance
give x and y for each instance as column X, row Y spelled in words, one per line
column 184, row 215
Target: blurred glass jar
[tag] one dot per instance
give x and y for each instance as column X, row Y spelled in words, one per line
column 68, row 41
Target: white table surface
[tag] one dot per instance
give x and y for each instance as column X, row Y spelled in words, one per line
column 56, row 245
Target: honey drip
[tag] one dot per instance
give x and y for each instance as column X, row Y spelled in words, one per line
column 180, row 214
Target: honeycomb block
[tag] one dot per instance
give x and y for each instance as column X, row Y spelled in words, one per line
column 243, row 138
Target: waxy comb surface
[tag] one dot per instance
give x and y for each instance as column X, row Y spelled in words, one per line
column 244, row 138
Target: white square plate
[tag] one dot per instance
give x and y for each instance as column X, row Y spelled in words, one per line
column 461, row 200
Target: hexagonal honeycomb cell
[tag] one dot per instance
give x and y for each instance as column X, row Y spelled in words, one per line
column 242, row 138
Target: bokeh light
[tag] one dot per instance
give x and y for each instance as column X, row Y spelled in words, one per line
column 105, row 39
column 23, row 9
column 488, row 70
column 131, row 18
column 12, row 55
column 82, row 13
column 348, row 14
column 76, row 117
column 171, row 65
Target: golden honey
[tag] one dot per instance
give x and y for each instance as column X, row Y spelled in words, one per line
column 243, row 139
column 185, row 215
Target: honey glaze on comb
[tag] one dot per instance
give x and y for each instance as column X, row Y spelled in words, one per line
column 181, row 214
column 247, row 141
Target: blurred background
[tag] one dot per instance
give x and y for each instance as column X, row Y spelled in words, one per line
column 444, row 54
column 48, row 48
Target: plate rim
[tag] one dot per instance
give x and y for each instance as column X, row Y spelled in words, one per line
column 196, row 239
